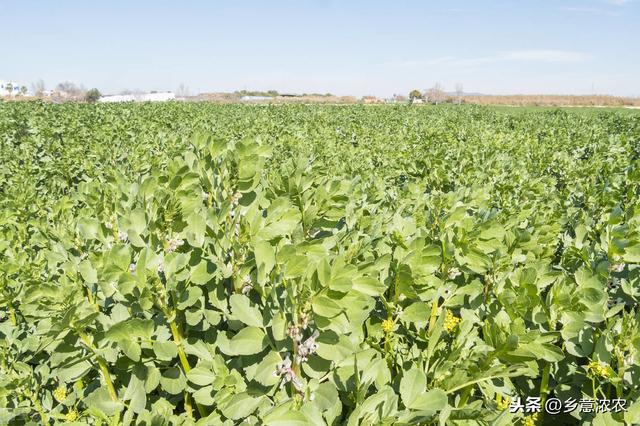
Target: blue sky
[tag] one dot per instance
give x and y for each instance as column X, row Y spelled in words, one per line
column 342, row 47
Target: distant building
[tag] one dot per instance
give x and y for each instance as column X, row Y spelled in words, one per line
column 142, row 97
column 11, row 88
column 371, row 100
column 256, row 98
column 417, row 101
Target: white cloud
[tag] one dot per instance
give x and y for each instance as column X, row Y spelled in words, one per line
column 549, row 56
column 543, row 56
column 618, row 2
column 539, row 56
column 591, row 10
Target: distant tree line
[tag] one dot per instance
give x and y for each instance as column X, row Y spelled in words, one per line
column 437, row 95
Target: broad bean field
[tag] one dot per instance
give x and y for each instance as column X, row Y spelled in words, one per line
column 193, row 263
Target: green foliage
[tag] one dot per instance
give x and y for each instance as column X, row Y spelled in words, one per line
column 183, row 263
column 92, row 95
column 415, row 94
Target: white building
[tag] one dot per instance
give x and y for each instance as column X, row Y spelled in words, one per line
column 256, row 98
column 141, row 97
column 11, row 88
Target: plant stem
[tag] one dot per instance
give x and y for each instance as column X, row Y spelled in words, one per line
column 43, row 416
column 465, row 396
column 544, row 384
column 105, row 373
column 434, row 315
column 177, row 338
column 474, row 381
column 187, row 404
column 104, row 370
column 620, row 357
column 12, row 315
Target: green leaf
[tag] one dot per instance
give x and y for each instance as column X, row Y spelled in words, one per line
column 88, row 272
column 138, row 221
column 204, row 396
column 342, row 277
column 412, row 385
column 243, row 311
column 295, row 266
column 286, row 418
column 165, row 351
column 136, row 394
column 240, row 406
column 326, row 307
column 248, row 341
column 100, row 400
column 173, row 381
column 88, row 227
column 369, row 286
column 265, row 260
column 632, row 254
column 201, row 376
column 133, row 328
column 202, row 273
column 131, row 349
column 189, row 297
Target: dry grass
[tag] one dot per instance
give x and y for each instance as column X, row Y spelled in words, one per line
column 553, row 100
column 310, row 99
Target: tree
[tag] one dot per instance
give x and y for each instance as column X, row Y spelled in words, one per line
column 9, row 88
column 459, row 92
column 436, row 94
column 182, row 91
column 38, row 87
column 92, row 95
column 23, row 90
column 415, row 94
column 67, row 87
column 71, row 90
column 399, row 98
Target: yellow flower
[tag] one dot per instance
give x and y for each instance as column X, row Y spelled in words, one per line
column 598, row 369
column 72, row 416
column 450, row 322
column 387, row 325
column 504, row 403
column 60, row 393
column 530, row 420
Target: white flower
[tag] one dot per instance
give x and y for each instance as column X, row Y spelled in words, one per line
column 108, row 225
column 304, row 320
column 174, row 243
column 132, row 268
column 246, row 284
column 235, row 199
column 161, row 268
column 454, row 272
column 205, row 195
column 122, row 236
column 283, row 369
column 309, row 347
column 294, row 333
column 617, row 267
